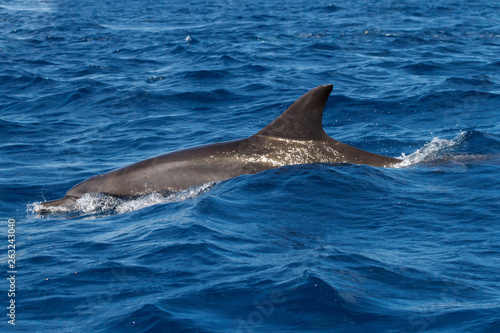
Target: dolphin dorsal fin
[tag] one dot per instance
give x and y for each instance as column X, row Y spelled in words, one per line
column 303, row 119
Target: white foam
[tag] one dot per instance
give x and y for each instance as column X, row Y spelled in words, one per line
column 430, row 150
column 157, row 198
column 94, row 203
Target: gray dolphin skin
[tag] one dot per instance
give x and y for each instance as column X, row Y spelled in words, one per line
column 295, row 137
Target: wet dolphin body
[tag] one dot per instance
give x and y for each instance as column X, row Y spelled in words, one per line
column 295, row 137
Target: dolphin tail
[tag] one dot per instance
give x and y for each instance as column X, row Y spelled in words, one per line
column 56, row 205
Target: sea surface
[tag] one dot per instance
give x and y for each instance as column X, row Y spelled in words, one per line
column 90, row 86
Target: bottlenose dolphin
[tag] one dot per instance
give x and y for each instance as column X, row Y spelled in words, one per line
column 295, row 137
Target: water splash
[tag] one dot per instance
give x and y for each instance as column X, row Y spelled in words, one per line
column 431, row 150
column 158, row 198
column 98, row 203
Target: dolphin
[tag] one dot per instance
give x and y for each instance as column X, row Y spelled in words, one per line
column 295, row 137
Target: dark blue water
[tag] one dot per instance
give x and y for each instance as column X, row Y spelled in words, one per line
column 90, row 86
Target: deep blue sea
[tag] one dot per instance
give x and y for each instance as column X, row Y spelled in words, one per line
column 90, row 86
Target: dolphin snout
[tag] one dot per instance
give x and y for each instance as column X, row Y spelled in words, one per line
column 55, row 205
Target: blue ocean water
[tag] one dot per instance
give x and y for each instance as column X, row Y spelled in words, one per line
column 87, row 87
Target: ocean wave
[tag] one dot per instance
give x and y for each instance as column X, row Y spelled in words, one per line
column 93, row 86
column 206, row 74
